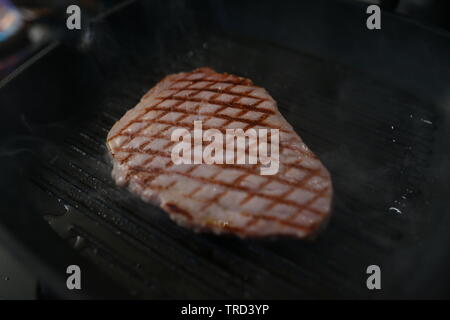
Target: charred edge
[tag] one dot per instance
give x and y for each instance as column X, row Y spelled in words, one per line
column 237, row 105
column 210, row 72
column 246, row 171
column 175, row 208
column 280, row 221
column 237, row 118
column 207, row 88
column 210, row 75
column 172, row 207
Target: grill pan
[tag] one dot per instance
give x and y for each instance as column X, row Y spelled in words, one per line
column 372, row 106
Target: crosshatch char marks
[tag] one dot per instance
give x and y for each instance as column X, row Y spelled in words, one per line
column 221, row 198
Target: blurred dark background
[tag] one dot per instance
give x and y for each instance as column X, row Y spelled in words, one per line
column 432, row 12
column 27, row 27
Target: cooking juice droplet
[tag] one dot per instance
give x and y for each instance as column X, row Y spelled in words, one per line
column 395, row 210
column 426, row 121
column 79, row 242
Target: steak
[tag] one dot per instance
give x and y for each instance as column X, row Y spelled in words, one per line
column 219, row 197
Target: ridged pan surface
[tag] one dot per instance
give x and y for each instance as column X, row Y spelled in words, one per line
column 375, row 140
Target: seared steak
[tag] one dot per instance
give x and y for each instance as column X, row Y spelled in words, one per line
column 223, row 198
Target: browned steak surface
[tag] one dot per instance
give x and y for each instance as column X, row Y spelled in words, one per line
column 223, row 198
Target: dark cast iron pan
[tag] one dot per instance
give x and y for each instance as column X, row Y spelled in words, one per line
column 373, row 105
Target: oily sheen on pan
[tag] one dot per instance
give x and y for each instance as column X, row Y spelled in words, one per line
column 228, row 197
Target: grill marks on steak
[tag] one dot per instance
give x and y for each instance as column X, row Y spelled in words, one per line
column 221, row 198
